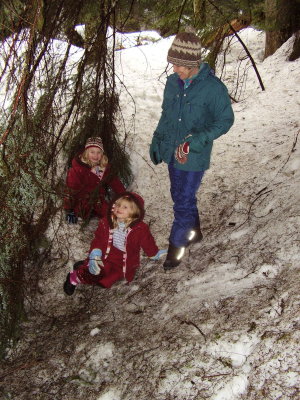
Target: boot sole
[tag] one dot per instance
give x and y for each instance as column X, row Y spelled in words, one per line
column 170, row 265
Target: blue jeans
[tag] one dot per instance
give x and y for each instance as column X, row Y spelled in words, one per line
column 184, row 186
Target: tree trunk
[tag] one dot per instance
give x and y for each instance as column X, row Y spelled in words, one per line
column 296, row 48
column 282, row 20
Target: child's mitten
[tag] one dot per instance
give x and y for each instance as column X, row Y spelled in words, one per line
column 95, row 262
column 159, row 254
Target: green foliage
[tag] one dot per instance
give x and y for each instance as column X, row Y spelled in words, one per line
column 56, row 96
column 23, row 183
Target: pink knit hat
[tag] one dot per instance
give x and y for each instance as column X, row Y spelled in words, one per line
column 94, row 142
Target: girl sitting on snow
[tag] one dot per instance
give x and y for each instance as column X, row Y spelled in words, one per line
column 115, row 249
column 86, row 183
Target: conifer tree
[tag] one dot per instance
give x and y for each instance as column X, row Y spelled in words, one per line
column 56, row 95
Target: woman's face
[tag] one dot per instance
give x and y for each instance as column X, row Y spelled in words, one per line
column 122, row 210
column 184, row 72
column 94, row 154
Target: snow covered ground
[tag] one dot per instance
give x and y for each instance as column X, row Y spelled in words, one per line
column 225, row 324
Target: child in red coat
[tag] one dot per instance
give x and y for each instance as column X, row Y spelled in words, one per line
column 115, row 249
column 86, row 183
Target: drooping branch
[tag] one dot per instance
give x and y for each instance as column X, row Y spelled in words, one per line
column 242, row 43
column 180, row 14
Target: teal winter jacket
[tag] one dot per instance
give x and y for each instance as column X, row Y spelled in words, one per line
column 198, row 114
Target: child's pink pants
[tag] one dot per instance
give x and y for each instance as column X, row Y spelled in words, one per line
column 111, row 272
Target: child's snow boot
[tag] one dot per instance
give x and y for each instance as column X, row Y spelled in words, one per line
column 174, row 257
column 69, row 289
column 77, row 264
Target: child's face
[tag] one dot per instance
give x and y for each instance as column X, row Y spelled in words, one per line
column 122, row 210
column 94, row 154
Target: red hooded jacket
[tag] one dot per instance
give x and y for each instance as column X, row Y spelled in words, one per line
column 86, row 191
column 138, row 237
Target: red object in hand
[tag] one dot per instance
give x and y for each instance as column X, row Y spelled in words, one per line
column 181, row 153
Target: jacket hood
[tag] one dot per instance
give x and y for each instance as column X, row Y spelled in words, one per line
column 139, row 201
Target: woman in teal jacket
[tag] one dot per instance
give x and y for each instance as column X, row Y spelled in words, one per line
column 196, row 110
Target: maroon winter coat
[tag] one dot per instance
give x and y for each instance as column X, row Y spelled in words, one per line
column 86, row 191
column 138, row 237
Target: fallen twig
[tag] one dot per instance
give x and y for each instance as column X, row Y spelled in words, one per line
column 195, row 326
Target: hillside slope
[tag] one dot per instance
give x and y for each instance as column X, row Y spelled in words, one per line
column 222, row 326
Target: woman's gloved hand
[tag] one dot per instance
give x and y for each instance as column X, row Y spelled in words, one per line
column 181, row 153
column 154, row 152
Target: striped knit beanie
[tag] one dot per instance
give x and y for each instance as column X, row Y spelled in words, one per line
column 185, row 50
column 94, row 142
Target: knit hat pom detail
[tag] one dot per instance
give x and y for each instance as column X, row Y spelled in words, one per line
column 185, row 50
